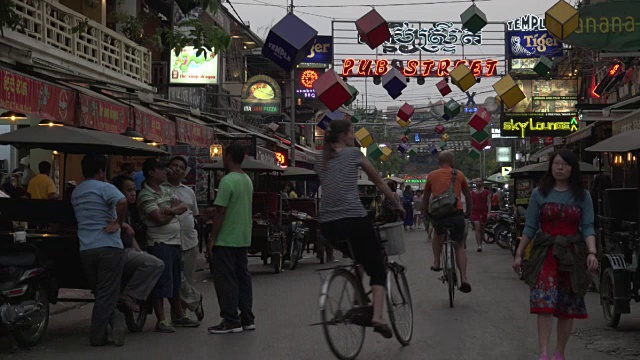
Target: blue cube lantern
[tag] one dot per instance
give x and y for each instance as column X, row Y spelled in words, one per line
column 394, row 82
column 289, row 42
column 403, row 148
column 324, row 122
column 434, row 150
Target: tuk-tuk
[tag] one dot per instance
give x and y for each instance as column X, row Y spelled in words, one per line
column 618, row 229
column 41, row 235
column 268, row 236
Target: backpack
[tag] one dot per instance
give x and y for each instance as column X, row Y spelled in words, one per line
column 446, row 203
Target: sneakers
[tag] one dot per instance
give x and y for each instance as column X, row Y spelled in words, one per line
column 185, row 322
column 118, row 327
column 226, row 327
column 249, row 327
column 164, row 326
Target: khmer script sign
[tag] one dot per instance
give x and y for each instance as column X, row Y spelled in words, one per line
column 431, row 38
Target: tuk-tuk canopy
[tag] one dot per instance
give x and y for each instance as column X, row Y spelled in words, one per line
column 293, row 171
column 249, row 163
column 623, row 142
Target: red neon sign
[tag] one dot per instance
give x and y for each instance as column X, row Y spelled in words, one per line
column 308, row 77
column 414, row 68
column 614, row 69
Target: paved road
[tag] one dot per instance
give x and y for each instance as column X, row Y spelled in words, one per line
column 492, row 322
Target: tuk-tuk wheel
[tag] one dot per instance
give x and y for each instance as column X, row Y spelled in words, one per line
column 277, row 261
column 607, row 293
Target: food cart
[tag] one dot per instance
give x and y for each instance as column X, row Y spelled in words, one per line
column 51, row 225
column 268, row 237
column 618, row 231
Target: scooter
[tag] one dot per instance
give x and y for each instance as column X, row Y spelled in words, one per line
column 25, row 288
column 500, row 227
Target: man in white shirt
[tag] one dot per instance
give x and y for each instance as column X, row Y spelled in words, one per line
column 190, row 296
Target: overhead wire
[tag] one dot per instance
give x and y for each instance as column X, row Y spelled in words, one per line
column 421, row 3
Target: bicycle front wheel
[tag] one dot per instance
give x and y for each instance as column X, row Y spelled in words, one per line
column 341, row 295
column 399, row 304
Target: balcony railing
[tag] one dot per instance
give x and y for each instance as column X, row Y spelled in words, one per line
column 53, row 25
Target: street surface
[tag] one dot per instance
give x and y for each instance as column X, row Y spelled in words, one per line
column 492, row 322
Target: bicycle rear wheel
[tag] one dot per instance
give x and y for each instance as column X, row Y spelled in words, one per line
column 340, row 294
column 399, row 304
column 451, row 273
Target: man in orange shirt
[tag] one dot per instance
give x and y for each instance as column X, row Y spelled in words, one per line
column 439, row 183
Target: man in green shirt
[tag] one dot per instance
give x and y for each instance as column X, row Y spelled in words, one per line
column 230, row 240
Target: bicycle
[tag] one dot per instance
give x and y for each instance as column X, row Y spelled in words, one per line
column 449, row 263
column 351, row 310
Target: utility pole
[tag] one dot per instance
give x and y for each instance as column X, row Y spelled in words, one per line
column 292, row 153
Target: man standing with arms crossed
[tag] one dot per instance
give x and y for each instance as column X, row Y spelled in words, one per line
column 439, row 183
column 230, row 240
column 190, row 296
column 100, row 209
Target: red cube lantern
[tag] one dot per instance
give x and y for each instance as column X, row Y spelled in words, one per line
column 331, row 90
column 373, row 29
column 440, row 129
column 443, row 87
column 480, row 145
column 480, row 119
column 406, row 112
column 405, row 139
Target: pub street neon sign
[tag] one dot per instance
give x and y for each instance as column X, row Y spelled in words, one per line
column 416, row 68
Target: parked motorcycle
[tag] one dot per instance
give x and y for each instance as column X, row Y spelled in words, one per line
column 299, row 236
column 499, row 227
column 25, row 288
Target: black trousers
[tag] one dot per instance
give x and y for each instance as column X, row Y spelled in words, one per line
column 232, row 281
column 103, row 268
column 364, row 242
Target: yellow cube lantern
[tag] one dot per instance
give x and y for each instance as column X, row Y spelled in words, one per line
column 386, row 153
column 364, row 137
column 509, row 92
column 403, row 123
column 445, row 137
column 462, row 77
column 562, row 19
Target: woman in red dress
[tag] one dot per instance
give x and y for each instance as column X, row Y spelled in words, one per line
column 560, row 217
column 481, row 205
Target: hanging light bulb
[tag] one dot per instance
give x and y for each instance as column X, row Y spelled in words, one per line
column 12, row 116
column 215, row 151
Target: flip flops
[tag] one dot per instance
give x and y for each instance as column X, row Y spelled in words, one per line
column 383, row 329
column 436, row 269
column 465, row 287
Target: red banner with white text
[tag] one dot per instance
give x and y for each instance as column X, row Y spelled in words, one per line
column 155, row 128
column 103, row 115
column 194, row 134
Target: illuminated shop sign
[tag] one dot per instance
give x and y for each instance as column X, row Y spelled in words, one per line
column 304, row 83
column 282, row 159
column 261, row 95
column 539, row 126
column 407, row 38
column 416, row 68
column 528, row 38
column 547, row 98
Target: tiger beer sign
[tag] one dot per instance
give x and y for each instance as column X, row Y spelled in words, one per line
column 527, row 37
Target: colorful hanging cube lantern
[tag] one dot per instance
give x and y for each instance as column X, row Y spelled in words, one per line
column 562, row 19
column 354, row 95
column 403, row 148
column 407, row 132
column 336, row 115
column 404, row 139
column 386, row 153
column 289, row 42
column 331, row 90
column 440, row 129
column 434, row 150
column 412, row 153
column 443, row 87
column 480, row 145
column 406, row 112
column 509, row 92
column 373, row 29
column 479, row 135
column 451, row 109
column 394, row 82
column 375, row 153
column 364, row 137
column 480, row 119
column 442, row 145
column 403, row 123
column 474, row 154
column 324, row 122
column 355, row 118
column 473, row 19
column 445, row 137
column 462, row 77
column 543, row 66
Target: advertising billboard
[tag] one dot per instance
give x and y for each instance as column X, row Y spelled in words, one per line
column 527, row 37
column 321, row 51
column 261, row 95
column 187, row 68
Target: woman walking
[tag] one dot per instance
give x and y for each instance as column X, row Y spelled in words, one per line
column 481, row 205
column 407, row 201
column 342, row 215
column 417, row 209
column 560, row 217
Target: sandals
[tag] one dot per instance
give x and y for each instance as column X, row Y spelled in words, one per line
column 465, row 287
column 436, row 269
column 383, row 329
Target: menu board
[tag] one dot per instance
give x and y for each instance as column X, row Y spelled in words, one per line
column 547, row 97
column 524, row 188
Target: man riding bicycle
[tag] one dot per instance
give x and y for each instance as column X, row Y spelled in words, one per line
column 441, row 181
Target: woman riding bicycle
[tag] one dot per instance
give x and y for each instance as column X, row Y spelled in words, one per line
column 343, row 217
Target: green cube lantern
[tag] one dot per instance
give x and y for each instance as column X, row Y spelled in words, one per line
column 474, row 154
column 375, row 152
column 354, row 95
column 473, row 19
column 543, row 66
column 407, row 132
column 412, row 153
column 443, row 145
column 479, row 136
column 355, row 118
column 451, row 108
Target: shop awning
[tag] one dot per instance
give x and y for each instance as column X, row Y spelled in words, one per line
column 72, row 140
column 194, row 134
column 293, row 171
column 153, row 126
column 218, row 123
column 100, row 112
column 547, row 150
column 27, row 95
column 249, row 163
column 542, row 167
column 623, row 142
column 579, row 135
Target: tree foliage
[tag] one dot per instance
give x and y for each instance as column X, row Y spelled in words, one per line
column 8, row 17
